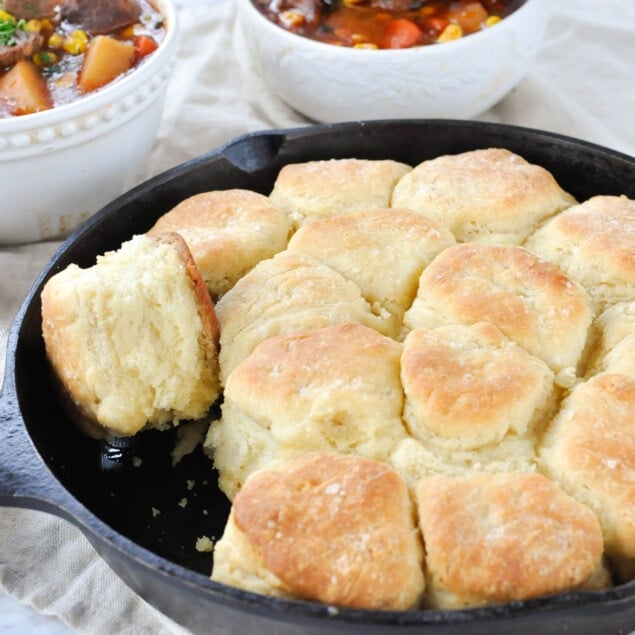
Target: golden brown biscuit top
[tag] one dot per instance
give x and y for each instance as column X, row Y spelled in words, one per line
column 339, row 358
column 590, row 447
column 337, row 528
column 502, row 537
column 602, row 229
column 482, row 193
column 382, row 250
column 334, row 388
column 530, row 300
column 336, row 186
column 471, row 383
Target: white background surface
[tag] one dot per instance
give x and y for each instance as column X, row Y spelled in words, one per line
column 581, row 85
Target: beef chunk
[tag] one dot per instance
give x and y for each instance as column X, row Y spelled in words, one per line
column 101, row 16
column 28, row 9
column 395, row 5
column 25, row 46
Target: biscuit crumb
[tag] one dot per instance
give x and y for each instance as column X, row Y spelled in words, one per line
column 204, row 544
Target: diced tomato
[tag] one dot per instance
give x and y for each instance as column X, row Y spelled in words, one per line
column 402, row 33
column 144, row 45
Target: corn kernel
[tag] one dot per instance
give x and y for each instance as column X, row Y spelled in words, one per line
column 5, row 15
column 451, row 32
column 74, row 46
column 34, row 26
column 291, row 18
column 56, row 41
column 365, row 45
column 80, row 36
column 45, row 58
column 491, row 20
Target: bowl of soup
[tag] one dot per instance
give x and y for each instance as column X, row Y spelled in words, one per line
column 82, row 90
column 336, row 60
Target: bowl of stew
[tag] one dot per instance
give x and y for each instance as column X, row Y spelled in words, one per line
column 82, row 90
column 336, row 60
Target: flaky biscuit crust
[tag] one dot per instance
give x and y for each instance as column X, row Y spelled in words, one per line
column 593, row 243
column 496, row 538
column 316, row 189
column 530, row 300
column 335, row 528
column 491, row 195
column 589, row 451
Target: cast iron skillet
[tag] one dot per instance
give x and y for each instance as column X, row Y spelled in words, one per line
column 113, row 497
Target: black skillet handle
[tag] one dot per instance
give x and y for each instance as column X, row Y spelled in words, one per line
column 25, row 480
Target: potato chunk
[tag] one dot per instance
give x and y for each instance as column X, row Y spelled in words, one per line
column 106, row 59
column 24, row 90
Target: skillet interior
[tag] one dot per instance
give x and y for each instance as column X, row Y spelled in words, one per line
column 131, row 485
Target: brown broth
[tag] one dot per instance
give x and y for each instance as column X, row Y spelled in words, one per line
column 380, row 23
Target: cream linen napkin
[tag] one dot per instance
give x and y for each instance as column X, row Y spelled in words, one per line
column 581, row 85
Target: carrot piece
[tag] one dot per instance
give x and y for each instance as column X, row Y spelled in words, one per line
column 144, row 45
column 402, row 33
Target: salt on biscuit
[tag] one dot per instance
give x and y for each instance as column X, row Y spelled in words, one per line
column 588, row 449
column 316, row 189
column 494, row 538
column 337, row 529
column 286, row 293
column 594, row 244
column 335, row 388
column 491, row 195
column 228, row 233
column 133, row 339
column 383, row 251
column 531, row 301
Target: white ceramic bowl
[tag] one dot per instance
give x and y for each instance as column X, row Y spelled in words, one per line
column 458, row 79
column 59, row 166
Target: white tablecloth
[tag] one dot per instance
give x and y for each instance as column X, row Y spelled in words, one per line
column 582, row 85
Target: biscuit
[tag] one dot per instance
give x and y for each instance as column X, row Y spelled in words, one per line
column 614, row 341
column 588, row 450
column 334, row 528
column 228, row 233
column 469, row 386
column 316, row 189
column 133, row 338
column 531, row 301
column 286, row 293
column 490, row 196
column 304, row 392
column 594, row 244
column 505, row 537
column 383, row 251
